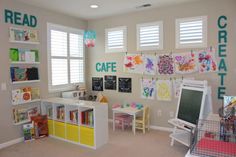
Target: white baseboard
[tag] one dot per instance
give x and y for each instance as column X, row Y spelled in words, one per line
column 12, row 142
column 167, row 129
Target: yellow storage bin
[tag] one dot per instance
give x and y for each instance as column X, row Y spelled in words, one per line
column 72, row 132
column 87, row 136
column 50, row 127
column 59, row 129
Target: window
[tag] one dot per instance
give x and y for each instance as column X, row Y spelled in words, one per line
column 150, row 36
column 65, row 57
column 191, row 32
column 116, row 39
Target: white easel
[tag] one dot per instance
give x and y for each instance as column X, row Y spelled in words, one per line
column 182, row 129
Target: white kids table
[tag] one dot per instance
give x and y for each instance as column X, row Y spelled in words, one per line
column 127, row 110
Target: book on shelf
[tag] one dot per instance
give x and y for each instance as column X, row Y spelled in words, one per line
column 23, row 35
column 74, row 116
column 87, row 117
column 24, row 74
column 24, row 114
column 60, row 112
column 25, row 94
column 23, row 55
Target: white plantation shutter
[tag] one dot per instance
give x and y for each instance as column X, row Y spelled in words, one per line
column 116, row 39
column 66, row 57
column 59, row 72
column 76, row 71
column 191, row 32
column 150, row 36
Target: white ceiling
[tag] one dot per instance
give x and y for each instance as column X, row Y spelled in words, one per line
column 81, row 9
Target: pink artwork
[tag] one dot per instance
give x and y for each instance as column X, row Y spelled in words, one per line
column 165, row 64
column 207, row 61
column 185, row 63
column 134, row 63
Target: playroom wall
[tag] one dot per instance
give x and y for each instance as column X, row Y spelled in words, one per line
column 7, row 129
column 211, row 8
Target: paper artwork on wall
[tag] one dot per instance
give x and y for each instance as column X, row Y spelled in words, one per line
column 177, row 85
column 164, row 90
column 185, row 63
column 149, row 65
column 110, row 82
column 89, row 38
column 125, row 85
column 207, row 61
column 148, row 89
column 134, row 63
column 97, row 83
column 165, row 64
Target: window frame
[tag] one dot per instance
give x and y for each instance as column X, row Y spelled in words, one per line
column 193, row 45
column 161, row 36
column 68, row 30
column 117, row 50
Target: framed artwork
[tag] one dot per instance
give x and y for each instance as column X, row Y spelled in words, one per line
column 97, row 83
column 110, row 82
column 125, row 85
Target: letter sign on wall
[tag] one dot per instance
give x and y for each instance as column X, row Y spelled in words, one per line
column 20, row 19
column 106, row 67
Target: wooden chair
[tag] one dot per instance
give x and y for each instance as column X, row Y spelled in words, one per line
column 144, row 121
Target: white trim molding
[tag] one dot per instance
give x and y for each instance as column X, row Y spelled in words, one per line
column 12, row 142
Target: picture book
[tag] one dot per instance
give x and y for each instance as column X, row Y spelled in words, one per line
column 33, row 112
column 21, row 55
column 14, row 55
column 25, row 97
column 20, row 74
column 28, row 131
column 29, row 56
column 35, row 93
column 20, row 115
column 19, row 34
column 36, row 54
column 16, row 96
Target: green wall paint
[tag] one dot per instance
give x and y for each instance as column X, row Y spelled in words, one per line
column 20, row 19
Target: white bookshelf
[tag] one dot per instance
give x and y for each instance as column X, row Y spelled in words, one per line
column 96, row 135
column 26, row 81
column 24, row 42
column 22, row 122
column 25, row 63
column 27, row 102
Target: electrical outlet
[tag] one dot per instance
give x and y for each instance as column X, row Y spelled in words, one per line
column 159, row 113
column 3, row 86
column 171, row 114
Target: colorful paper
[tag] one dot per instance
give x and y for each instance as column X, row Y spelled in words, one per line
column 148, row 88
column 207, row 61
column 134, row 63
column 229, row 103
column 165, row 64
column 177, row 84
column 185, row 63
column 164, row 90
column 149, row 65
column 89, row 38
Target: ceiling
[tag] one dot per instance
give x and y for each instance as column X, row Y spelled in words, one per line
column 81, row 9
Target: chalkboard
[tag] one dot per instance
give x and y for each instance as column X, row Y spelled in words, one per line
column 97, row 84
column 125, row 85
column 110, row 82
column 190, row 105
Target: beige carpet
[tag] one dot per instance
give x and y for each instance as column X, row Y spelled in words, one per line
column 121, row 144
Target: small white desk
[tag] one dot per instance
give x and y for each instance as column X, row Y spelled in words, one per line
column 128, row 110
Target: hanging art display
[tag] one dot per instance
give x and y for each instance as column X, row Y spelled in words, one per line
column 97, row 83
column 177, row 84
column 207, row 61
column 125, row 85
column 110, row 82
column 164, row 90
column 165, row 64
column 134, row 63
column 89, row 38
column 149, row 65
column 148, row 88
column 185, row 63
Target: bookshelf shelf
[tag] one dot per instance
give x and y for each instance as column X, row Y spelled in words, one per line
column 30, row 63
column 22, row 122
column 24, row 42
column 36, row 100
column 27, row 81
column 93, row 133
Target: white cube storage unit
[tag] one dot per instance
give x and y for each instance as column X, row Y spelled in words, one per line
column 77, row 121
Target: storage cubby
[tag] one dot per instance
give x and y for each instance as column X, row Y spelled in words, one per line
column 91, row 127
